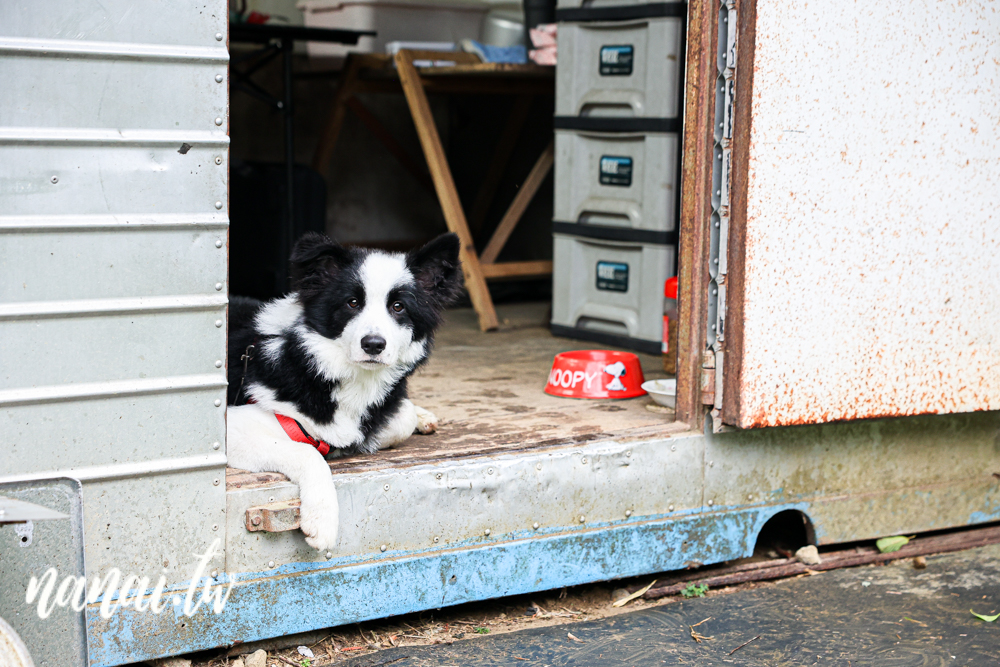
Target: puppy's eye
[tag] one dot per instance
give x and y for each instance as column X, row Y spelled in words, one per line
column 353, row 303
column 398, row 306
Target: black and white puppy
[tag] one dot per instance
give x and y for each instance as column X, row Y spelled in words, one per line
column 334, row 356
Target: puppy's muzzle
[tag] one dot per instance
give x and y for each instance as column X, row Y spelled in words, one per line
column 373, row 344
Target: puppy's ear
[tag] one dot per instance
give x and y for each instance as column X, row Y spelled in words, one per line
column 437, row 269
column 314, row 260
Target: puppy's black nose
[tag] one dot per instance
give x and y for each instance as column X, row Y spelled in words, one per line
column 372, row 344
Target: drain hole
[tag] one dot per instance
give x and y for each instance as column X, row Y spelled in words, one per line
column 784, row 534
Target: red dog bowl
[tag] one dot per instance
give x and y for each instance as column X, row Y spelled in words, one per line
column 595, row 374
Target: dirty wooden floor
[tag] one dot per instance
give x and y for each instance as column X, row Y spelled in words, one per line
column 486, row 389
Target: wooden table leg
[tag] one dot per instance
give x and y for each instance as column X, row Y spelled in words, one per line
column 517, row 207
column 444, row 184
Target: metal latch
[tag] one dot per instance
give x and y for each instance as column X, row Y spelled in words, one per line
column 274, row 517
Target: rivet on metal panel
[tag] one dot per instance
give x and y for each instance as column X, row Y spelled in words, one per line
column 436, row 540
column 218, row 403
column 535, row 525
column 54, row 179
column 628, row 513
column 750, row 496
column 218, row 205
column 488, row 532
column 385, row 488
column 216, row 445
column 218, row 160
column 271, row 499
column 329, row 555
column 673, row 448
column 218, row 243
column 215, row 574
column 711, row 464
column 25, row 533
column 383, row 548
column 670, row 508
column 583, row 518
column 270, row 563
column 628, row 453
column 218, row 36
column 219, row 78
column 218, row 120
column 439, row 475
column 717, row 223
column 215, row 482
column 218, row 363
column 218, row 287
column 489, row 471
column 215, row 526
column 711, row 502
column 218, row 324
column 255, row 520
column 538, row 466
column 584, row 460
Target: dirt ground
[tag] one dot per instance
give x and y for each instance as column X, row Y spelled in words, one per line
column 467, row 622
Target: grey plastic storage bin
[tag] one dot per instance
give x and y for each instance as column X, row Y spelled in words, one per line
column 628, row 69
column 610, row 292
column 626, row 181
column 616, row 10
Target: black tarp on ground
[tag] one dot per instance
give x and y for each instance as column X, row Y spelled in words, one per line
column 889, row 616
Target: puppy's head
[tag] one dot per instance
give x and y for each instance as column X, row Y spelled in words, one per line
column 375, row 308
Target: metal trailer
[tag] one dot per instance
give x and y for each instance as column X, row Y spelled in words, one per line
column 838, row 351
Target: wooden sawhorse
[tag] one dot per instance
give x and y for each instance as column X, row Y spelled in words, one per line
column 375, row 73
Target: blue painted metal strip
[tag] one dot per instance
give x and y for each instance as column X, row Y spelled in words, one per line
column 274, row 604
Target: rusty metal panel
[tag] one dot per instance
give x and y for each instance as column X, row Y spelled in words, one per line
column 113, row 242
column 871, row 235
column 480, row 501
column 864, row 479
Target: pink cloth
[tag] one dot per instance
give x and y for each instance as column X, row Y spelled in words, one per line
column 543, row 38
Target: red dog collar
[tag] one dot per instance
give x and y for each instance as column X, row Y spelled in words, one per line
column 298, row 434
column 295, row 431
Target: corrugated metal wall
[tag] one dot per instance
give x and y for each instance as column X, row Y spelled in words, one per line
column 113, row 242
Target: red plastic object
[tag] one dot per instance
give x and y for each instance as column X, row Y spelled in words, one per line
column 670, row 288
column 256, row 18
column 595, row 374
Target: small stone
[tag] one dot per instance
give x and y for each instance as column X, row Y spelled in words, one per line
column 619, row 593
column 919, row 563
column 808, row 555
column 237, row 663
column 257, row 659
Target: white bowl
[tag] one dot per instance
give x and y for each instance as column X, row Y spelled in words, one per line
column 663, row 392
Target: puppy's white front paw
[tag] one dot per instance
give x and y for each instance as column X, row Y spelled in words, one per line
column 427, row 422
column 319, row 517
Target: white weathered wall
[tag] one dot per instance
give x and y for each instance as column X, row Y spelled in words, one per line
column 873, row 238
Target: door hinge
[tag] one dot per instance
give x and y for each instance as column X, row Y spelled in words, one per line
column 708, row 378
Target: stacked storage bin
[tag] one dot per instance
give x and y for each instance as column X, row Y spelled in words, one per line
column 617, row 165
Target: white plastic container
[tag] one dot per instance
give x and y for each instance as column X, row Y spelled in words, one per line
column 623, row 180
column 399, row 20
column 622, row 69
column 610, row 291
